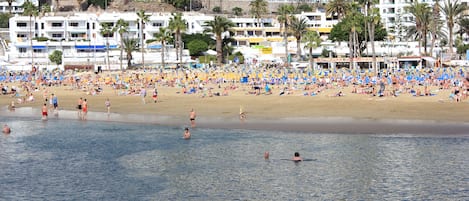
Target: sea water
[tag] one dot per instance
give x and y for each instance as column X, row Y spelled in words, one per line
column 98, row 160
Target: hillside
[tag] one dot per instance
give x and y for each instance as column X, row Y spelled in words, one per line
column 136, row 5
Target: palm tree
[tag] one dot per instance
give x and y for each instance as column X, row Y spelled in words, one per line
column 285, row 13
column 178, row 26
column 452, row 11
column 298, row 28
column 312, row 41
column 463, row 26
column 436, row 26
column 130, row 45
column 352, row 21
column 10, row 4
column 258, row 8
column 107, row 31
column 338, row 7
column 29, row 9
column 218, row 26
column 422, row 14
column 164, row 35
column 371, row 19
column 121, row 27
column 143, row 18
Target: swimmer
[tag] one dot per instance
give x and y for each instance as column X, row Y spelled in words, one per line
column 266, row 155
column 187, row 134
column 297, row 157
column 6, row 129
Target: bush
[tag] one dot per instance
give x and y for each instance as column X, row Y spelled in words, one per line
column 197, row 47
column 217, row 9
column 237, row 54
column 41, row 39
column 207, row 58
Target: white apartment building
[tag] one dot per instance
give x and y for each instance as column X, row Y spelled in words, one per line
column 77, row 35
column 393, row 12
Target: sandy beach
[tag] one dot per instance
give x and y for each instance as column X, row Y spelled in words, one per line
column 352, row 113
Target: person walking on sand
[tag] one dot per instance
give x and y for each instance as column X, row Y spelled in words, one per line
column 55, row 103
column 192, row 116
column 108, row 106
column 155, row 95
column 187, row 134
column 143, row 94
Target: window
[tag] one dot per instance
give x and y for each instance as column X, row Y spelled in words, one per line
column 93, row 25
column 157, row 24
column 22, row 50
column 21, row 24
column 56, row 24
column 42, row 25
column 75, row 35
column 21, row 35
column 73, row 24
column 57, row 35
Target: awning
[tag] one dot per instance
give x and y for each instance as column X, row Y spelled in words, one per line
column 87, row 47
column 321, row 29
column 39, row 47
column 158, row 46
column 256, row 40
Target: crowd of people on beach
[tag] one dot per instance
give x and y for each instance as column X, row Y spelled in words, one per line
column 219, row 82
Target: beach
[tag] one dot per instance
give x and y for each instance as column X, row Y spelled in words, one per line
column 323, row 112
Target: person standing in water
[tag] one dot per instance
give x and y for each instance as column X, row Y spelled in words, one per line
column 44, row 112
column 192, row 116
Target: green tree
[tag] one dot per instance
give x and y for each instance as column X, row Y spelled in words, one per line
column 56, row 57
column 142, row 19
column 298, row 28
column 338, row 7
column 284, row 16
column 312, row 41
column 107, row 31
column 100, row 3
column 453, row 11
column 304, row 8
column 187, row 38
column 130, row 45
column 121, row 27
column 341, row 32
column 29, row 9
column 163, row 36
column 436, row 26
column 45, row 8
column 178, row 25
column 237, row 11
column 5, row 20
column 197, row 47
column 218, row 26
column 258, row 8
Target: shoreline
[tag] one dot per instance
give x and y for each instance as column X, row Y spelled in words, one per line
column 314, row 125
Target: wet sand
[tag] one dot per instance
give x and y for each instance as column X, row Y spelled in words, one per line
column 335, row 125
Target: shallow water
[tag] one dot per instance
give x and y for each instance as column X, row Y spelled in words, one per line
column 78, row 160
